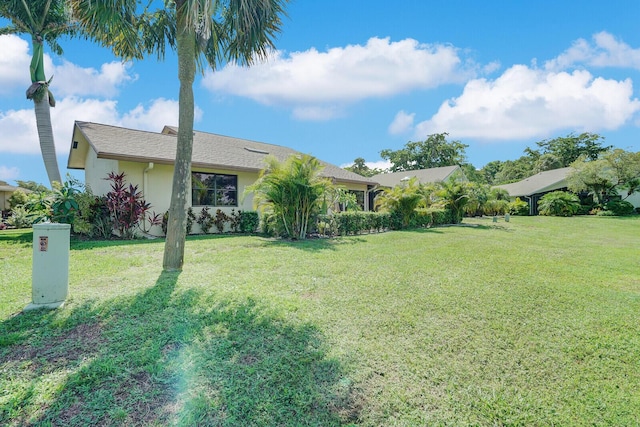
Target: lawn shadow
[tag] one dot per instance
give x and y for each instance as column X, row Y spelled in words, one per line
column 20, row 237
column 169, row 356
column 316, row 244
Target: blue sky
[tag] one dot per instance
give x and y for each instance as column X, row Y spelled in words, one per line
column 351, row 78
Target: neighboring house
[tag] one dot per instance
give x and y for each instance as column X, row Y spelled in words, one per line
column 533, row 188
column 424, row 176
column 222, row 166
column 6, row 191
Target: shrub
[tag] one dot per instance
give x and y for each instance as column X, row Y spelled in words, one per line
column 20, row 218
column 249, row 221
column 559, row 203
column 127, row 208
column 17, row 198
column 518, row 207
column 619, row 207
column 191, row 218
column 205, row 220
column 220, row 220
column 94, row 219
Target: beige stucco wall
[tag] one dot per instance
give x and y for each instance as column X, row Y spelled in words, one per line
column 155, row 182
column 96, row 170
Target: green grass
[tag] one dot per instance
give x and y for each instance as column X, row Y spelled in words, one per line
column 531, row 322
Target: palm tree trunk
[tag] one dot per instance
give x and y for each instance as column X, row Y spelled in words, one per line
column 177, row 223
column 45, row 135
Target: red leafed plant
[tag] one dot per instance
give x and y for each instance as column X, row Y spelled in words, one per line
column 127, row 208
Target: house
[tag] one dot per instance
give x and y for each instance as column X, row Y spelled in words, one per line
column 424, row 176
column 222, row 166
column 6, row 191
column 531, row 189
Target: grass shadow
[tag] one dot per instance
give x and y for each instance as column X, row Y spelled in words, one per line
column 169, row 357
column 22, row 237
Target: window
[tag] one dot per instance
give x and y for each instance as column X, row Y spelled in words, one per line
column 214, row 189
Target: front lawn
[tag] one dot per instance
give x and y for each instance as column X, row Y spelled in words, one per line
column 531, row 322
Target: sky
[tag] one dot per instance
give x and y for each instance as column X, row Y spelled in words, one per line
column 350, row 78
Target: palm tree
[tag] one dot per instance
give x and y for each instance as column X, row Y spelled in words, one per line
column 241, row 31
column 292, row 190
column 403, row 200
column 43, row 20
column 47, row 21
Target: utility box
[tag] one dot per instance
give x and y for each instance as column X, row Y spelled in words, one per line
column 50, row 272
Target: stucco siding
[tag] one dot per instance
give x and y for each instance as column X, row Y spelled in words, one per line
column 96, row 171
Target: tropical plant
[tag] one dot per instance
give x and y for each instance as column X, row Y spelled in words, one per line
column 518, row 207
column 479, row 195
column 220, row 220
column 559, row 203
column 454, row 195
column 127, row 207
column 402, row 201
column 293, row 190
column 205, row 220
column 20, row 218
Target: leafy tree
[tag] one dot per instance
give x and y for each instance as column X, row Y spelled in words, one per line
column 490, row 170
column 559, row 203
column 479, row 195
column 613, row 171
column 563, row 151
column 32, row 185
column 360, row 167
column 433, row 152
column 292, row 190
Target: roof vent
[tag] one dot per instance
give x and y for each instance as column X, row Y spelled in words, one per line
column 255, row 150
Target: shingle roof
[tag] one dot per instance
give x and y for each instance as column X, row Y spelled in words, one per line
column 425, row 176
column 209, row 150
column 5, row 187
column 544, row 181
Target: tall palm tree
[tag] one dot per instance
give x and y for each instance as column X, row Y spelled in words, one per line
column 47, row 21
column 43, row 20
column 241, row 31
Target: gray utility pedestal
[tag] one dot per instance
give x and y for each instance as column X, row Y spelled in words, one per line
column 50, row 274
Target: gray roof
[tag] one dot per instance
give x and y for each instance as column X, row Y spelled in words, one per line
column 209, row 150
column 6, row 187
column 540, row 183
column 425, row 176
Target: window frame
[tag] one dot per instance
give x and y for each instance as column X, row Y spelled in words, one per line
column 214, row 193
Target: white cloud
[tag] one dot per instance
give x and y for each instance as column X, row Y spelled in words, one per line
column 526, row 102
column 402, row 123
column 14, row 64
column 605, row 51
column 18, row 127
column 312, row 80
column 70, row 79
column 9, row 173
